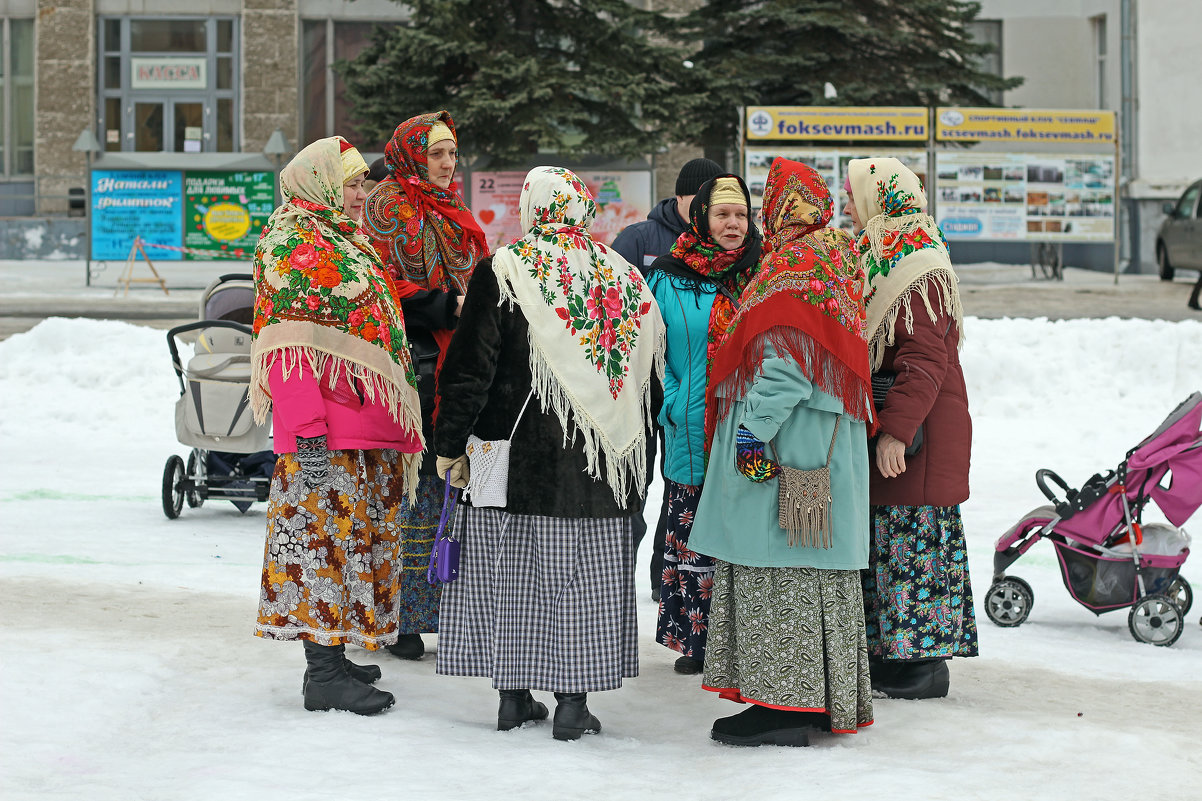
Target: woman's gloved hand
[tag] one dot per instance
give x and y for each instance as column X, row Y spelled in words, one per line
column 458, row 468
column 750, row 459
column 314, row 460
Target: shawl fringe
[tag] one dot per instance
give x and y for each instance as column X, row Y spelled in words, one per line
column 944, row 280
column 819, row 365
column 401, row 408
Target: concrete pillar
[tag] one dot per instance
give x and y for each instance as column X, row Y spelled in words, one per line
column 65, row 64
column 270, row 71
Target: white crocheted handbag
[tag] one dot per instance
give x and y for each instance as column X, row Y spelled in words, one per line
column 488, row 467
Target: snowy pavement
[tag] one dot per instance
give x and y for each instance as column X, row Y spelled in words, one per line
column 129, row 670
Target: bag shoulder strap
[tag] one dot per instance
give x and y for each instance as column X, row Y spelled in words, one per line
column 829, row 453
column 522, row 412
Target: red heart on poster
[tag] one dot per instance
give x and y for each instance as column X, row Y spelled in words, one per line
column 487, row 216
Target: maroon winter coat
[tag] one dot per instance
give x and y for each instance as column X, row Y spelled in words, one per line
column 929, row 390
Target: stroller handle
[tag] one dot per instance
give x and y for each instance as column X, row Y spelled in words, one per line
column 183, row 329
column 1041, row 478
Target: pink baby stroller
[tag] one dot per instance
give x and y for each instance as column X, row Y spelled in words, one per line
column 1108, row 560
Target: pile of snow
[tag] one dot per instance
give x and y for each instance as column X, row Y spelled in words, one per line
column 130, row 670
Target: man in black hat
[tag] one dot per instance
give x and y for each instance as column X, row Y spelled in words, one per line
column 644, row 242
column 640, row 244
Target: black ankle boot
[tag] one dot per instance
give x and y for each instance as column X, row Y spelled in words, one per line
column 688, row 666
column 407, row 646
column 761, row 725
column 917, row 679
column 883, row 671
column 330, row 686
column 517, row 707
column 368, row 674
column 572, row 717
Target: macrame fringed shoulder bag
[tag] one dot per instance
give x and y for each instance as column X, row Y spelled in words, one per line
column 804, row 500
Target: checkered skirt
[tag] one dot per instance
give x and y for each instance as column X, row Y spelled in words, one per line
column 541, row 603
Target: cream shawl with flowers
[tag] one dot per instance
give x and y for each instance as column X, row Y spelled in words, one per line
column 595, row 331
column 322, row 298
column 902, row 252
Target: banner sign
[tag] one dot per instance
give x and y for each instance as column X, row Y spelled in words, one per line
column 130, row 203
column 623, row 197
column 1030, row 126
column 831, row 164
column 837, row 123
column 170, row 72
column 225, row 211
column 1025, row 196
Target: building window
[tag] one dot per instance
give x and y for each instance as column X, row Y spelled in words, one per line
column 16, row 97
column 1099, row 48
column 988, row 31
column 167, row 84
column 325, row 110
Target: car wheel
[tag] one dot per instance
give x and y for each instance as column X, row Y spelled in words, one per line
column 1162, row 261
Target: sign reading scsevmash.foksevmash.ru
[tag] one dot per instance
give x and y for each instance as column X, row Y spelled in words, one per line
column 838, row 123
column 1027, row 125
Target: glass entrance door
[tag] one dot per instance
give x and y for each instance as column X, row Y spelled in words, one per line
column 158, row 124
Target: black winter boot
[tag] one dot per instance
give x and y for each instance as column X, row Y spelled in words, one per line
column 761, row 725
column 517, row 707
column 407, row 646
column 883, row 671
column 688, row 666
column 368, row 674
column 331, row 687
column 572, row 717
column 916, row 679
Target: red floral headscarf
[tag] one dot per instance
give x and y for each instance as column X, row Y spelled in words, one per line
column 806, row 300
column 425, row 233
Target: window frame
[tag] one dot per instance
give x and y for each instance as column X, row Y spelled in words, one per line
column 8, row 79
column 127, row 96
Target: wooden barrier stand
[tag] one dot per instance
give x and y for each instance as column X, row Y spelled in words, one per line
column 128, row 278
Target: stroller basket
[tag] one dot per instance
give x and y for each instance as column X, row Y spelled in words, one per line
column 1101, row 583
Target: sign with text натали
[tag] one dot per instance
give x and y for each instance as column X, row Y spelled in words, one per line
column 127, row 204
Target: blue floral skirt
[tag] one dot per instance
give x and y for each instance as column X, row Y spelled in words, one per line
column 417, row 598
column 917, row 593
column 688, row 579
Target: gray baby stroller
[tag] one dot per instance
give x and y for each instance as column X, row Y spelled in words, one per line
column 231, row 458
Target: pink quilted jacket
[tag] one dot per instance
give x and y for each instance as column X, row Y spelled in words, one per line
column 303, row 406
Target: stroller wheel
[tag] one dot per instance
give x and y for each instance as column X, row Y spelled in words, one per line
column 194, row 498
column 173, row 495
column 1008, row 602
column 1156, row 620
column 1182, row 594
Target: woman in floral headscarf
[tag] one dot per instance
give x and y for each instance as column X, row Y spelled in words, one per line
column 786, row 633
column 430, row 244
column 330, row 364
column 917, row 593
column 555, row 351
column 696, row 286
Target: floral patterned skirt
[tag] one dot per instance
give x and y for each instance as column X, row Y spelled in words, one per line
column 688, row 578
column 419, row 523
column 917, row 593
column 790, row 638
column 332, row 561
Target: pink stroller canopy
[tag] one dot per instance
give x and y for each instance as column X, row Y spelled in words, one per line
column 1176, row 447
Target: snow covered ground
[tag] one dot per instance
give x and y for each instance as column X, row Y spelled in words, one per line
column 129, row 671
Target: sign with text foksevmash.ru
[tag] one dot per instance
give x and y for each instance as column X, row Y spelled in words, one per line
column 837, row 123
column 127, row 204
column 168, row 72
column 1026, row 125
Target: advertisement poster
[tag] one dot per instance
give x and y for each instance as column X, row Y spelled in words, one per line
column 1025, row 196
column 225, row 211
column 838, row 123
column 623, row 197
column 830, row 163
column 127, row 204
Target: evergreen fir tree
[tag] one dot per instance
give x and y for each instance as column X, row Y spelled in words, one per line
column 875, row 52
column 573, row 76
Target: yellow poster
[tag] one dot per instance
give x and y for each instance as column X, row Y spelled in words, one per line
column 837, row 123
column 1025, row 125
